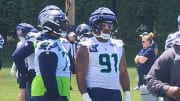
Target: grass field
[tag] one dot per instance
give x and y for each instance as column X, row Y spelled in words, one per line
column 9, row 87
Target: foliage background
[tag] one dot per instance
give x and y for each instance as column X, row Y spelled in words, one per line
column 134, row 16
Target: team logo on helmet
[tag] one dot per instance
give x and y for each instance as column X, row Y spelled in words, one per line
column 83, row 32
column 53, row 19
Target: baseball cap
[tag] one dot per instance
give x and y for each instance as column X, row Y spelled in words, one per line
column 144, row 33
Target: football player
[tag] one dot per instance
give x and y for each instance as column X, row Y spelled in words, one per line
column 101, row 68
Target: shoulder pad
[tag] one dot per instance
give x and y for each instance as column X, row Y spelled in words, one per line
column 117, row 42
column 47, row 45
column 85, row 42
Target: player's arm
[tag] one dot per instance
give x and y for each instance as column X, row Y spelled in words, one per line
column 124, row 78
column 81, row 66
column 48, row 64
column 20, row 54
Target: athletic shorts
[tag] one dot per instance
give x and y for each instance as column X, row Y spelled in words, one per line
column 101, row 94
column 22, row 82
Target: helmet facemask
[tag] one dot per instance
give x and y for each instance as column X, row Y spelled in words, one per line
column 59, row 29
column 104, row 30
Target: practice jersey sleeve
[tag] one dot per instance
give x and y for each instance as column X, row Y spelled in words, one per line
column 20, row 54
column 47, row 66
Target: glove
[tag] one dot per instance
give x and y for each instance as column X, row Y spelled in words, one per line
column 13, row 70
column 127, row 96
column 86, row 97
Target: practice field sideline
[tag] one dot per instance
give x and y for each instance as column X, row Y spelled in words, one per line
column 9, row 87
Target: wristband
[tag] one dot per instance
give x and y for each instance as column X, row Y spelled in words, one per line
column 86, row 97
column 127, row 96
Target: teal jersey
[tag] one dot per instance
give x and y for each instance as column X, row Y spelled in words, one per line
column 62, row 69
column 56, row 47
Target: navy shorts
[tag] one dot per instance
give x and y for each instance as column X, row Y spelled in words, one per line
column 45, row 98
column 101, row 94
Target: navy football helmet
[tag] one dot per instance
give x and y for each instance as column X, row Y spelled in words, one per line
column 23, row 29
column 100, row 15
column 83, row 32
column 53, row 19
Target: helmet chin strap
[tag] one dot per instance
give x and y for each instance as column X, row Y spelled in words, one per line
column 103, row 35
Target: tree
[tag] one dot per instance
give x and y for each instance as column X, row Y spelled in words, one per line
column 147, row 12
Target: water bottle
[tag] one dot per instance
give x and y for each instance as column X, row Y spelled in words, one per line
column 160, row 99
column 146, row 95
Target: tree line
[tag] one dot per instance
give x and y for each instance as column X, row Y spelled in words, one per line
column 134, row 16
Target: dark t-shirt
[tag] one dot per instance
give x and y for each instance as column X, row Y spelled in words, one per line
column 149, row 53
column 154, row 45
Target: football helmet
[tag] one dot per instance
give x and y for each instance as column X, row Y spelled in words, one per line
column 102, row 15
column 83, row 32
column 170, row 39
column 1, row 41
column 53, row 19
column 23, row 28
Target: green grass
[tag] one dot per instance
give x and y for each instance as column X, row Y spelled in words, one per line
column 9, row 87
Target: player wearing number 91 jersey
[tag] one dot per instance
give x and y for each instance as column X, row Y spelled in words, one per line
column 100, row 62
column 103, row 67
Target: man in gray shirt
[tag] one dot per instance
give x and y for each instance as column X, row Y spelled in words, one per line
column 164, row 77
